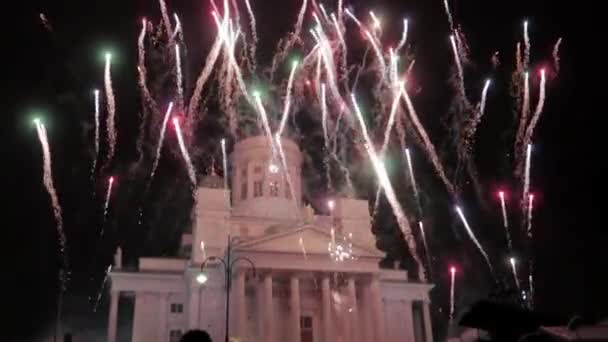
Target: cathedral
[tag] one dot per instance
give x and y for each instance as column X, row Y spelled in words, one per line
column 260, row 266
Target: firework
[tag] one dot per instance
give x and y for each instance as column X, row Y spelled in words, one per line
column 291, row 40
column 325, row 137
column 514, row 269
column 178, row 26
column 523, row 119
column 96, row 142
column 526, row 189
column 505, row 221
column 377, row 25
column 111, row 106
column 106, row 203
column 384, row 180
column 428, row 145
column 45, row 22
column 452, row 281
column 100, row 292
column 254, row 33
column 185, row 154
column 526, row 46
column 204, row 76
column 556, row 54
column 530, row 210
column 287, row 98
column 484, row 94
column 166, row 20
column 458, row 65
column 449, row 14
column 403, row 36
column 47, row 179
column 539, row 109
column 161, row 139
column 426, row 246
column 178, row 78
column 473, row 238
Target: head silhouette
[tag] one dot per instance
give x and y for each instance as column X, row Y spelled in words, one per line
column 196, row 336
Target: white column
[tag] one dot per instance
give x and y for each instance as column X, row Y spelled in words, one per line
column 162, row 316
column 113, row 315
column 426, row 315
column 354, row 311
column 366, row 314
column 240, row 305
column 408, row 321
column 377, row 310
column 326, row 304
column 269, row 319
column 193, row 306
column 294, row 301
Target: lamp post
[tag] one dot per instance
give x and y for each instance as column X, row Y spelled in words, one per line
column 228, row 264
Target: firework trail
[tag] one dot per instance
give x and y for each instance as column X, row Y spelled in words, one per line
column 530, row 210
column 96, row 144
column 412, row 179
column 384, row 180
column 495, row 60
column 514, row 269
column 203, row 250
column 100, row 292
column 287, row 175
column 47, row 179
column 264, row 118
column 539, row 109
column 287, row 98
column 387, row 133
column 526, row 46
column 325, row 137
column 343, row 51
column 505, row 221
column 453, row 279
column 45, row 22
column 178, row 78
column 159, row 146
column 523, row 120
column 518, row 61
column 325, row 16
column 291, row 40
column 449, row 14
column 484, row 94
column 377, row 25
column 526, row 189
column 473, row 238
column 458, row 66
column 166, row 20
column 254, row 33
column 111, row 105
column 428, row 145
column 182, row 147
column 403, row 36
column 106, row 204
column 556, row 55
column 178, row 27
column 141, row 68
column 195, row 100
column 427, row 252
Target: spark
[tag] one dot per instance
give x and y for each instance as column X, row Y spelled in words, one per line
column 512, row 261
column 254, row 33
column 403, row 36
column 424, row 243
column 47, row 179
column 556, row 54
column 352, row 16
column 411, row 173
column 224, row 163
column 453, row 280
column 458, row 65
column 523, row 119
column 107, row 201
column 325, row 136
column 526, row 45
column 96, row 143
column 185, row 154
column 473, row 238
column 526, row 189
column 203, row 250
column 165, row 16
column 294, row 66
column 530, row 210
column 111, row 107
column 161, row 138
column 178, row 26
column 505, row 220
column 484, row 94
column 449, row 14
column 178, row 78
column 204, row 76
column 377, row 25
column 539, row 109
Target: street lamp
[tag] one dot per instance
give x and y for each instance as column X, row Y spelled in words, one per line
column 228, row 264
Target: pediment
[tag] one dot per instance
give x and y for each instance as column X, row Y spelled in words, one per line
column 315, row 241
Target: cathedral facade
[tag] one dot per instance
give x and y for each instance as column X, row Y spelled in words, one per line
column 293, row 275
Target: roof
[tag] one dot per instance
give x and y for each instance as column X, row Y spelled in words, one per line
column 314, row 239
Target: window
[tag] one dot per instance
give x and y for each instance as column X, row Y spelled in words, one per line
column 257, row 189
column 244, row 172
column 244, row 190
column 306, row 332
column 175, row 335
column 177, row 307
column 257, row 169
column 274, row 189
column 418, row 317
column 287, row 190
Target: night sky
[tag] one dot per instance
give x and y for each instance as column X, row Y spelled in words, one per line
column 55, row 72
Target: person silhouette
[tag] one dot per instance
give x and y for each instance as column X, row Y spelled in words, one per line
column 196, row 336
